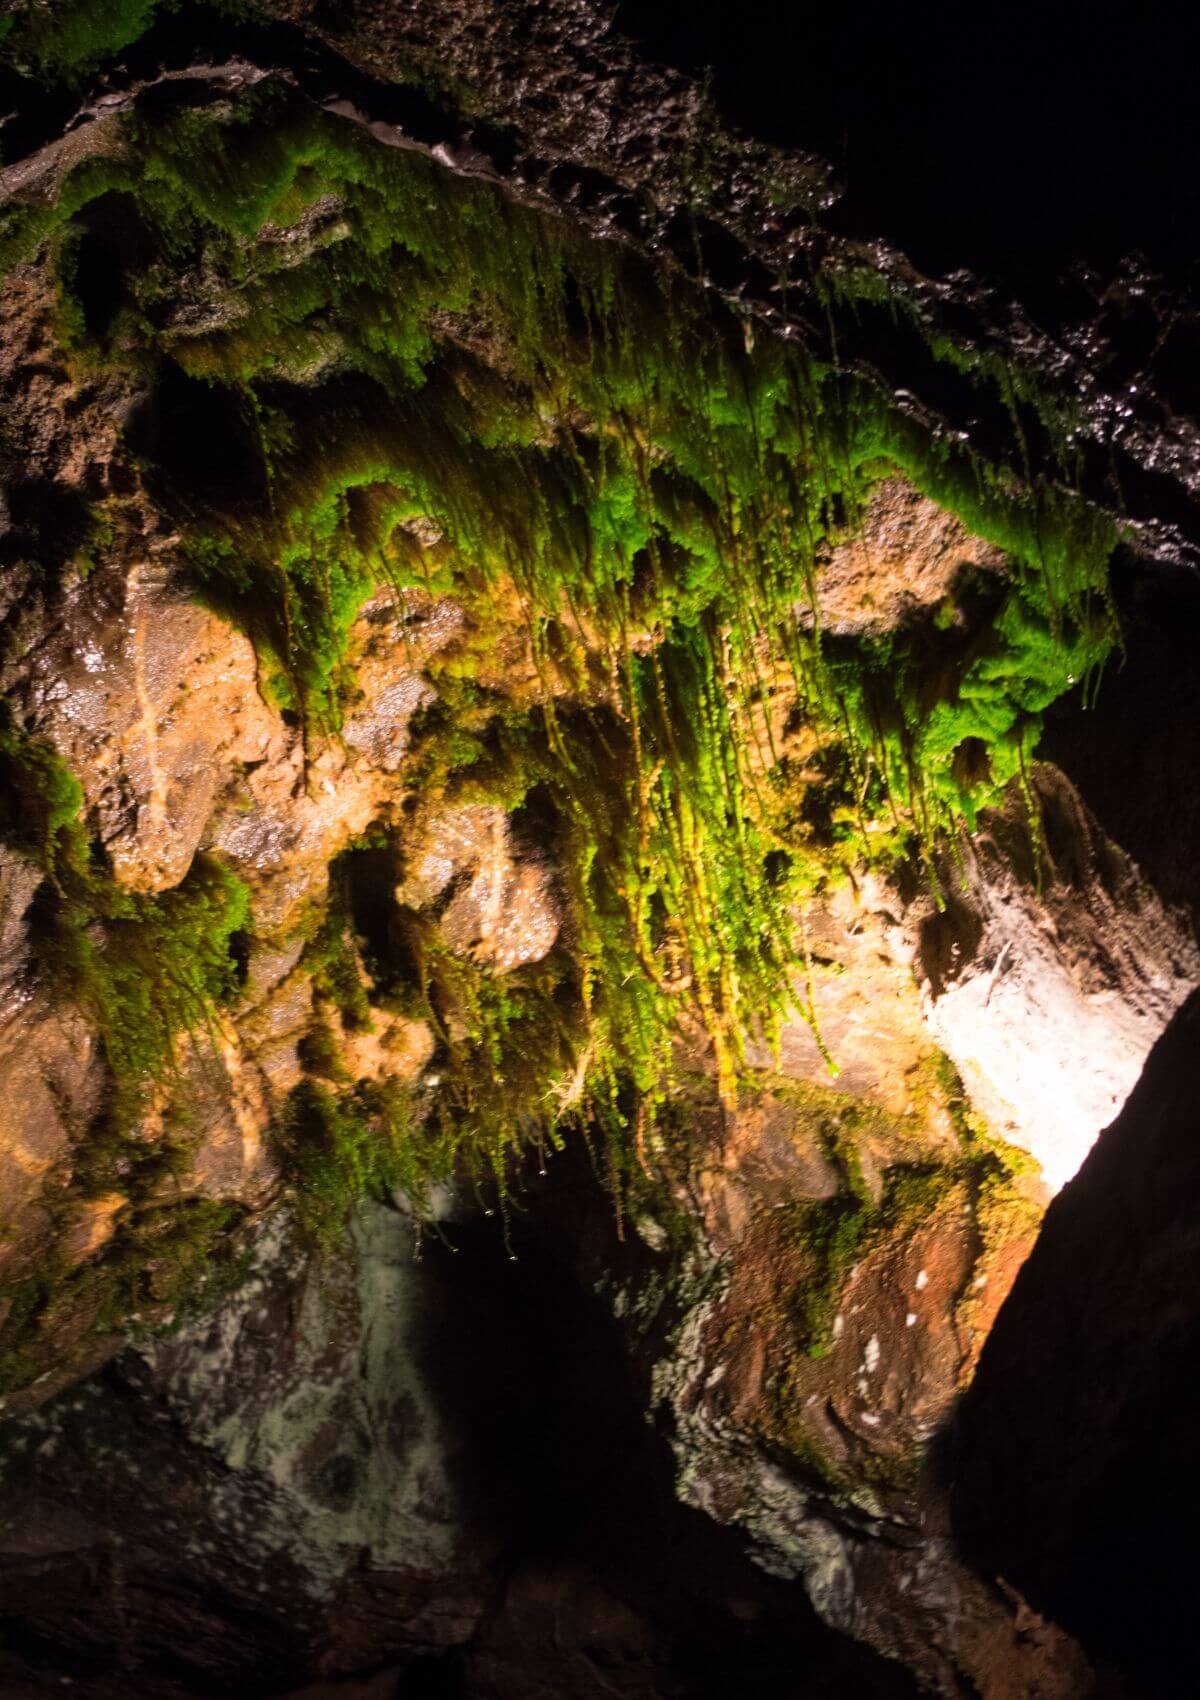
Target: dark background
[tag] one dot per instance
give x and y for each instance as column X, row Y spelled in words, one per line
column 1010, row 140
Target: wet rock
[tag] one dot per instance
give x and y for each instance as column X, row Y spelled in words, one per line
column 154, row 703
column 852, row 1265
column 63, row 424
column 19, row 880
column 52, row 1086
column 222, row 1103
column 279, row 1472
column 868, row 1035
column 94, row 1225
column 558, row 1635
column 394, row 1047
column 386, row 698
column 285, row 1486
column 499, row 906
column 285, row 817
column 304, row 1491
column 873, row 1560
column 821, row 1345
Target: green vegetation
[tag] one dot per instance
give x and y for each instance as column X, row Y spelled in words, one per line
column 67, row 39
column 340, row 1146
column 165, row 1259
column 827, row 1236
column 402, row 378
column 145, row 969
column 40, row 799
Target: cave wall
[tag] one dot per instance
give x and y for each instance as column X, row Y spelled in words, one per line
column 520, row 640
column 1072, row 1449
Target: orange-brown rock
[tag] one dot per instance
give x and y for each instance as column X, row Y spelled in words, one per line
column 906, row 558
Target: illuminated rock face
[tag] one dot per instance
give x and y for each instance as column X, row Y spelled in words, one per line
column 1081, row 1404
column 474, row 702
column 1049, row 994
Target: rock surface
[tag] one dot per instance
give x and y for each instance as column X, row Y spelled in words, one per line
column 1049, row 975
column 908, row 558
column 306, row 1483
column 831, row 1313
column 1073, row 1475
column 282, row 1462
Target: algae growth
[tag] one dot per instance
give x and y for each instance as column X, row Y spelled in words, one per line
column 403, row 377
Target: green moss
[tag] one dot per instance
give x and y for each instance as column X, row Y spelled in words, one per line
column 829, row 1235
column 333, row 962
column 67, row 39
column 338, row 1146
column 709, row 481
column 163, row 1260
column 143, row 968
column 24, row 225
column 813, row 1248
column 40, row 798
column 602, row 448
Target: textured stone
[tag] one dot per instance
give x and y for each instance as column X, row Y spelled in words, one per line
column 500, row 907
column 905, row 559
column 289, row 1450
column 1049, row 975
column 279, row 1465
column 52, row 1084
column 1074, row 1453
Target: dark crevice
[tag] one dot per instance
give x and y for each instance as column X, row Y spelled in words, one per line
column 48, row 522
column 558, row 1445
column 198, row 442
column 370, row 885
column 1139, row 786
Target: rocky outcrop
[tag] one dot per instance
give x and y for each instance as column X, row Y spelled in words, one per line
column 306, row 1481
column 858, row 1236
column 848, row 1267
column 495, row 897
column 1072, row 1454
column 282, row 1464
column 908, row 558
column 157, row 703
column 1049, row 974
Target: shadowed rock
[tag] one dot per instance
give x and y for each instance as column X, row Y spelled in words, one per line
column 1076, row 1477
